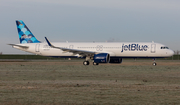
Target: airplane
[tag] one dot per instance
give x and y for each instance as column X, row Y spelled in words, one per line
column 97, row 52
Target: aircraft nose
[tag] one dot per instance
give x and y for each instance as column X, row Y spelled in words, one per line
column 171, row 52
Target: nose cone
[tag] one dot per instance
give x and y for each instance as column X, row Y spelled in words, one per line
column 170, row 52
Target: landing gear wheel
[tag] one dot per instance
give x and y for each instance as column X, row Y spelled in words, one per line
column 86, row 63
column 154, row 64
column 94, row 63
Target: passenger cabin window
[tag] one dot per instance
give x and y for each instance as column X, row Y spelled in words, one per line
column 164, row 48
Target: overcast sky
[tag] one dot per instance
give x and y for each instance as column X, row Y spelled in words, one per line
column 92, row 20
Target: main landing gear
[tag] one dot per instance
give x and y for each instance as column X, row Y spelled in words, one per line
column 94, row 63
column 87, row 63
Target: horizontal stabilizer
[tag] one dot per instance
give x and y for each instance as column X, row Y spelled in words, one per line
column 19, row 45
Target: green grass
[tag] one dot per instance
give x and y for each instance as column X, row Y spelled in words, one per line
column 54, row 83
column 35, row 57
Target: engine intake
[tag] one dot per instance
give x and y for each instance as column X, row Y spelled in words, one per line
column 101, row 58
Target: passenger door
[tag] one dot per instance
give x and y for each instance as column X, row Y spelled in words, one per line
column 153, row 48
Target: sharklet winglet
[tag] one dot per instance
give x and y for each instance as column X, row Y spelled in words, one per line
column 49, row 43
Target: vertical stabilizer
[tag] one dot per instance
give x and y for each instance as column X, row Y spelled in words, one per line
column 25, row 35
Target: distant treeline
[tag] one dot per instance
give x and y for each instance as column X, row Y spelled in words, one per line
column 7, row 56
column 35, row 57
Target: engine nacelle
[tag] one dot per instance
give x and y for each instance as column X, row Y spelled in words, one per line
column 101, row 58
column 115, row 60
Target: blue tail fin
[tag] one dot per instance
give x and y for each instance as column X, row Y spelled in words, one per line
column 25, row 35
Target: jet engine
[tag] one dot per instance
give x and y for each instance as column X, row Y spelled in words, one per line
column 115, row 60
column 101, row 58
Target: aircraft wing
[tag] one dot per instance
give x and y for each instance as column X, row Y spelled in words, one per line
column 74, row 51
column 19, row 45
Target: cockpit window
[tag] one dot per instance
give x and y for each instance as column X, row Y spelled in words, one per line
column 164, row 47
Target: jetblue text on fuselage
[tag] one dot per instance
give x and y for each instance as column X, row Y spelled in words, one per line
column 134, row 47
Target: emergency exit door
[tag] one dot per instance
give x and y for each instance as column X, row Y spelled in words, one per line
column 37, row 47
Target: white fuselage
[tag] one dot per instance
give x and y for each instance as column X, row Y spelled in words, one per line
column 122, row 50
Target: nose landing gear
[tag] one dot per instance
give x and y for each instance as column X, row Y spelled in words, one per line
column 154, row 63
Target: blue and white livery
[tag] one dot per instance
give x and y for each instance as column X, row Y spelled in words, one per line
column 96, row 52
column 25, row 35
